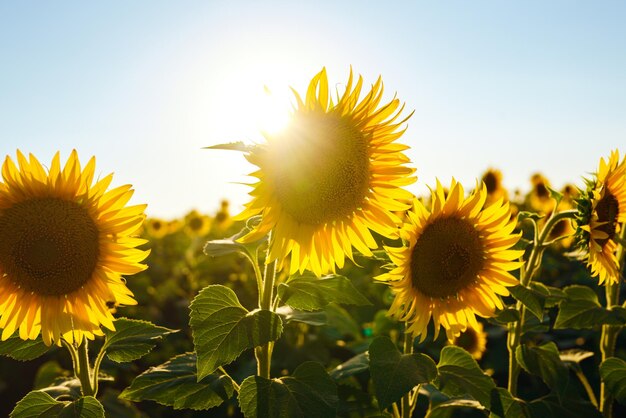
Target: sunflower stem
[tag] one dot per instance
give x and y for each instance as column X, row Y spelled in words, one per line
column 264, row 353
column 84, row 374
column 583, row 379
column 608, row 338
column 407, row 348
column 527, row 272
column 74, row 354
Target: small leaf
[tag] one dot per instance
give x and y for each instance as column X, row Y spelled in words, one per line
column 581, row 310
column 529, row 215
column 531, row 299
column 23, row 350
column 175, row 384
column 38, row 404
column 355, row 365
column 395, row 374
column 544, row 361
column 132, row 339
column 507, row 315
column 291, row 315
column 613, row 373
column 309, row 293
column 309, row 393
column 222, row 328
column 69, row 387
column 48, row 373
column 460, row 375
column 233, row 146
column 220, row 247
column 555, row 194
column 115, row 407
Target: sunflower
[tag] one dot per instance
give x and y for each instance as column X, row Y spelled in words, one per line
column 197, row 224
column 495, row 190
column 456, row 263
column 332, row 175
column 223, row 220
column 473, row 340
column 65, row 243
column 539, row 198
column 602, row 213
column 156, row 228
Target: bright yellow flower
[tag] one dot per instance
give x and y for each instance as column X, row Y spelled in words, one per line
column 456, row 264
column 602, row 215
column 539, row 198
column 197, row 224
column 330, row 177
column 495, row 190
column 65, row 243
column 156, row 228
column 473, row 340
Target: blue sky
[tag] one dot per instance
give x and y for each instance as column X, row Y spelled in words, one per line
column 144, row 85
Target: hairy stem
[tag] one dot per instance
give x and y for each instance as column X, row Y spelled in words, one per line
column 407, row 406
column 608, row 338
column 84, row 374
column 264, row 353
column 527, row 272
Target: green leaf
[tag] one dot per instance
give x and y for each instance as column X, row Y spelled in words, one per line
column 309, row 393
column 288, row 314
column 23, row 350
column 309, row 293
column 355, row 365
column 575, row 355
column 222, row 328
column 446, row 409
column 340, row 324
column 613, row 373
column 233, row 146
column 552, row 295
column 533, row 300
column 507, row 315
column 132, row 339
column 395, row 374
column 460, row 375
column 38, row 404
column 48, row 373
column 175, row 384
column 220, row 247
column 581, row 310
column 550, row 406
column 69, row 387
column 504, row 405
column 544, row 361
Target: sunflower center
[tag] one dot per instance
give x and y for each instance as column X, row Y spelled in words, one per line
column 607, row 210
column 196, row 224
column 542, row 191
column 447, row 257
column 491, row 182
column 467, row 340
column 48, row 246
column 320, row 168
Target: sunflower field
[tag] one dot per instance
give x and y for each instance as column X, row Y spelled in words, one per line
column 335, row 293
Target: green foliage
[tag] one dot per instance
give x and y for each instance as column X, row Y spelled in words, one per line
column 544, row 361
column 504, row 405
column 613, row 372
column 23, row 350
column 132, row 339
column 176, row 384
column 38, row 404
column 532, row 299
column 395, row 374
column 308, row 393
column 356, row 365
column 550, row 406
column 223, row 329
column 581, row 310
column 460, row 375
column 310, row 293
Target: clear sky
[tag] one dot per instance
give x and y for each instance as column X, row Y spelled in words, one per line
column 522, row 86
